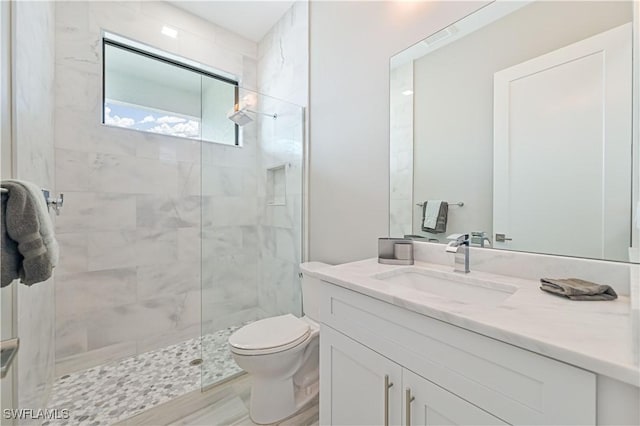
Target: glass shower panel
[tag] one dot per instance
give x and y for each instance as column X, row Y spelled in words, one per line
column 218, row 98
column 251, row 226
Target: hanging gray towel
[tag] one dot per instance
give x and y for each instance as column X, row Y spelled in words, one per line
column 577, row 289
column 26, row 221
column 434, row 216
column 10, row 257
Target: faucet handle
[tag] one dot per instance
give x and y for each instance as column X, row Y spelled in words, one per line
column 459, row 238
column 480, row 237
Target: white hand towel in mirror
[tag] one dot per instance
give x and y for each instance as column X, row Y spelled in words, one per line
column 431, row 213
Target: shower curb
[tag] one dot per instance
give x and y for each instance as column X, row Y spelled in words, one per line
column 180, row 407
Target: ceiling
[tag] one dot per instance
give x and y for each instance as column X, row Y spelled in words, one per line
column 250, row 19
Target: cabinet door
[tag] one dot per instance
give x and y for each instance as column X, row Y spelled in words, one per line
column 428, row 404
column 352, row 383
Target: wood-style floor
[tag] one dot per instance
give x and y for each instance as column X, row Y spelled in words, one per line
column 225, row 404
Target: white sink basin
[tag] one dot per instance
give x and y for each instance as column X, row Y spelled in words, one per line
column 453, row 286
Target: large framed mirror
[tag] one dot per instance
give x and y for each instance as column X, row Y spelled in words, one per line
column 516, row 125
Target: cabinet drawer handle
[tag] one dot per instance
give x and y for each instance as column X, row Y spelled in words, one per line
column 387, row 386
column 408, row 399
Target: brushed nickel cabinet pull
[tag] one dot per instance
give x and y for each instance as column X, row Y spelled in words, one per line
column 387, row 386
column 408, row 399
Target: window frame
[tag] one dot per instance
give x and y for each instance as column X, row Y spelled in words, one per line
column 107, row 41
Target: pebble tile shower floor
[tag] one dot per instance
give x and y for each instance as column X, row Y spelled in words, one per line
column 103, row 395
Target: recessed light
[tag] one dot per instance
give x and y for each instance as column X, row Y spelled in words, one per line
column 407, row 92
column 169, row 32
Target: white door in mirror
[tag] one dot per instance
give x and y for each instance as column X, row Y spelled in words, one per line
column 561, row 134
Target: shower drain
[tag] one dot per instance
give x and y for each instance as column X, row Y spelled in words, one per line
column 196, row 361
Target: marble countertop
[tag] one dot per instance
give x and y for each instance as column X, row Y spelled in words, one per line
column 596, row 336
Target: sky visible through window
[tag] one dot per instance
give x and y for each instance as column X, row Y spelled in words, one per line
column 150, row 120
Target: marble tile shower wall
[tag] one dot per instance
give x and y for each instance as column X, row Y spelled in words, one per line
column 280, row 224
column 34, row 130
column 283, row 74
column 129, row 276
column 283, row 57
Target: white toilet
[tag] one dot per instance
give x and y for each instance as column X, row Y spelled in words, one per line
column 281, row 354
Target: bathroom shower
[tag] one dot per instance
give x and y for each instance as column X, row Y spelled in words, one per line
column 180, row 229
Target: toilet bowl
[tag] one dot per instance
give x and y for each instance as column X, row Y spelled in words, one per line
column 282, row 356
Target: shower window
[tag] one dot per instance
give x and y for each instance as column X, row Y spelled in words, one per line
column 147, row 92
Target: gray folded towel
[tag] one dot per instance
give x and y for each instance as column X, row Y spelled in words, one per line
column 577, row 289
column 26, row 221
column 441, row 220
column 10, row 257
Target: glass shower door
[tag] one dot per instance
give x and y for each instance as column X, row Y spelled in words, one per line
column 251, row 225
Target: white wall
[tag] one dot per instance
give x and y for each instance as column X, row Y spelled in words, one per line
column 350, row 47
column 7, row 304
column 6, row 165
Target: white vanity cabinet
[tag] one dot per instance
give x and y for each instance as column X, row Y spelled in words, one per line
column 369, row 389
column 437, row 373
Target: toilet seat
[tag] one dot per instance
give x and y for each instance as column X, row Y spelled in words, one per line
column 270, row 335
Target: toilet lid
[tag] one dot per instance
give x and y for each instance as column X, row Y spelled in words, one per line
column 270, row 333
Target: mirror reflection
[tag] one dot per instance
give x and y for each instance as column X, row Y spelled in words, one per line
column 515, row 124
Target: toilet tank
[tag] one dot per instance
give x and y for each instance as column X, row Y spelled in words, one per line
column 311, row 289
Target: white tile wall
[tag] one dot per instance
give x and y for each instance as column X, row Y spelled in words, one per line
column 283, row 57
column 34, row 129
column 282, row 74
column 401, row 205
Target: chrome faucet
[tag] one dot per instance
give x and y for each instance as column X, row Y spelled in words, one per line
column 459, row 244
column 480, row 238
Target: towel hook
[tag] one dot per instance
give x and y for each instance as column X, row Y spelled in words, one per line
column 56, row 203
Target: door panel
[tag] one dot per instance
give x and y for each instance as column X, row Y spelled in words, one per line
column 562, row 147
column 355, row 376
column 435, row 406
